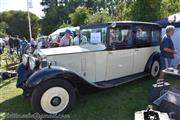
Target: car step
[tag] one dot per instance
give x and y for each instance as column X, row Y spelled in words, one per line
column 116, row 82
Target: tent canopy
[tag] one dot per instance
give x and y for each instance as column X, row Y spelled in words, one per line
column 171, row 20
column 63, row 30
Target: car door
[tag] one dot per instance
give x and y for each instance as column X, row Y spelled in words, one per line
column 142, row 47
column 93, row 62
column 120, row 57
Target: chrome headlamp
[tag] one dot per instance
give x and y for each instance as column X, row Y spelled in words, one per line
column 32, row 62
column 25, row 58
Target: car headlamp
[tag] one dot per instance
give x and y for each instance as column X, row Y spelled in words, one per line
column 25, row 58
column 32, row 63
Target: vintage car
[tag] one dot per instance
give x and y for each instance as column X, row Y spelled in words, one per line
column 115, row 53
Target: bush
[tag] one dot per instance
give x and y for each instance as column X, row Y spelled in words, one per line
column 2, row 35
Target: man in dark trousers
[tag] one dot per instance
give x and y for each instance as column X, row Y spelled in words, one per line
column 11, row 42
column 24, row 45
column 17, row 45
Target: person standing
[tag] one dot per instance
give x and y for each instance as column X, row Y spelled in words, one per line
column 17, row 45
column 24, row 45
column 11, row 43
column 79, row 39
column 33, row 43
column 67, row 39
column 167, row 50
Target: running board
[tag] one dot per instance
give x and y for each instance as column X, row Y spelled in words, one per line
column 119, row 81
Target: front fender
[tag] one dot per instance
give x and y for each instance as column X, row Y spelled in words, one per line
column 22, row 75
column 44, row 74
column 53, row 72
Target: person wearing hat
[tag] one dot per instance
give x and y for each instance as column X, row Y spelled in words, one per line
column 66, row 39
column 167, row 50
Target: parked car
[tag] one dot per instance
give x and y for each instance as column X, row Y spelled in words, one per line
column 115, row 53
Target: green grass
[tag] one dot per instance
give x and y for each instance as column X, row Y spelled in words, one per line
column 5, row 56
column 117, row 103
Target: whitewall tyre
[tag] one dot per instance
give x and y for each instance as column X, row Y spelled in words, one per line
column 54, row 97
column 155, row 69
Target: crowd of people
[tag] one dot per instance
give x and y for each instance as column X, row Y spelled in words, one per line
column 68, row 39
column 16, row 45
column 19, row 45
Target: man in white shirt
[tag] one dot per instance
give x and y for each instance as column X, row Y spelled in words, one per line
column 79, row 39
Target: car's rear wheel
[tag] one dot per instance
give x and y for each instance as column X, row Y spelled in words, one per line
column 53, row 97
column 155, row 69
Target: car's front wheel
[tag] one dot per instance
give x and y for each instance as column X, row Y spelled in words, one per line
column 155, row 69
column 53, row 97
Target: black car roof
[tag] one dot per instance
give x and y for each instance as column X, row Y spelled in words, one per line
column 117, row 22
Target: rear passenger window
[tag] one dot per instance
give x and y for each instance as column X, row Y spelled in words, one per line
column 142, row 35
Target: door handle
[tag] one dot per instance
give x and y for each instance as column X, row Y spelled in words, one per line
column 136, row 50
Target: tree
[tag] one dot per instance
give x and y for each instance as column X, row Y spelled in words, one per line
column 124, row 10
column 100, row 17
column 79, row 16
column 17, row 23
column 169, row 7
column 3, row 27
column 57, row 11
column 146, row 10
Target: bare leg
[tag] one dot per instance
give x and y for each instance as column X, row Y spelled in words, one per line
column 162, row 74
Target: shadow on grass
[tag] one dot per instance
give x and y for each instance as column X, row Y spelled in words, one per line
column 115, row 103
column 17, row 105
column 4, row 83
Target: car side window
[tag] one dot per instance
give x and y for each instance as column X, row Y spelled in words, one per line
column 142, row 35
column 119, row 37
column 155, row 37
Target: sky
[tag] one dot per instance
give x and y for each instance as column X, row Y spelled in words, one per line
column 6, row 5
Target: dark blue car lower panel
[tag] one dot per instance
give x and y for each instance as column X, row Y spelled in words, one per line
column 23, row 75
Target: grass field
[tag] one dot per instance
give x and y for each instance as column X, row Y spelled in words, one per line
column 117, row 103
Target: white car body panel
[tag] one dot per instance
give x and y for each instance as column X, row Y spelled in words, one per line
column 141, row 57
column 120, row 63
column 80, row 60
column 98, row 65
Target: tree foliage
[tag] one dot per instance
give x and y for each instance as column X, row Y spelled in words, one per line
column 169, row 7
column 100, row 17
column 57, row 12
column 79, row 16
column 3, row 27
column 80, row 12
column 146, row 10
column 17, row 23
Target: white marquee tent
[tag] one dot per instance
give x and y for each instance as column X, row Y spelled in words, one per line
column 175, row 21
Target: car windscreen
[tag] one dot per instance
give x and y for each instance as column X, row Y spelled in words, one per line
column 94, row 35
